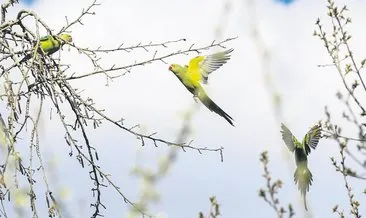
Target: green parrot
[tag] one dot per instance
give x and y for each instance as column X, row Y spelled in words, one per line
column 302, row 176
column 197, row 71
column 50, row 44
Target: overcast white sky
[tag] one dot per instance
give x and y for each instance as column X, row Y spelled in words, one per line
column 153, row 97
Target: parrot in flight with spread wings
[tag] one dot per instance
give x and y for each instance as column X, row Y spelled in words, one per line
column 50, row 44
column 302, row 176
column 197, row 71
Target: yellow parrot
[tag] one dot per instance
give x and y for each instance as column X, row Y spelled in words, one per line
column 197, row 71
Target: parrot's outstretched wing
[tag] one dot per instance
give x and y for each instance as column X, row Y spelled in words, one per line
column 288, row 138
column 209, row 63
column 312, row 138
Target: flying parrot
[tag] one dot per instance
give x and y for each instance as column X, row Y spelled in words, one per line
column 50, row 44
column 302, row 176
column 197, row 71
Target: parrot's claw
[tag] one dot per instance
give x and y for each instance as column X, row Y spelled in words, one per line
column 195, row 98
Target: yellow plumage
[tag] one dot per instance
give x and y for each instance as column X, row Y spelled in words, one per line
column 50, row 44
column 194, row 69
column 196, row 72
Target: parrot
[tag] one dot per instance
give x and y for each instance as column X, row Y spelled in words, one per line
column 50, row 44
column 197, row 71
column 302, row 176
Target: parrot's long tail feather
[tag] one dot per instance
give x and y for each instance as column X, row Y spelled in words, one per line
column 304, row 199
column 213, row 106
column 303, row 179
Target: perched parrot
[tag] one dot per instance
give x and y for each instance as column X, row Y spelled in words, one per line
column 50, row 44
column 197, row 71
column 302, row 176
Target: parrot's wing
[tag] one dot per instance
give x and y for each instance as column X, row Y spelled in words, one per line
column 312, row 138
column 45, row 38
column 288, row 138
column 209, row 63
column 50, row 44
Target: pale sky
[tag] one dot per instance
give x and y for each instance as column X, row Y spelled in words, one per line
column 152, row 97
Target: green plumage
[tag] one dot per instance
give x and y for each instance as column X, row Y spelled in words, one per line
column 198, row 91
column 50, row 44
column 302, row 176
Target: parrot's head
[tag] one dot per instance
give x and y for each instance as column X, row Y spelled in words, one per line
column 175, row 68
column 66, row 37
